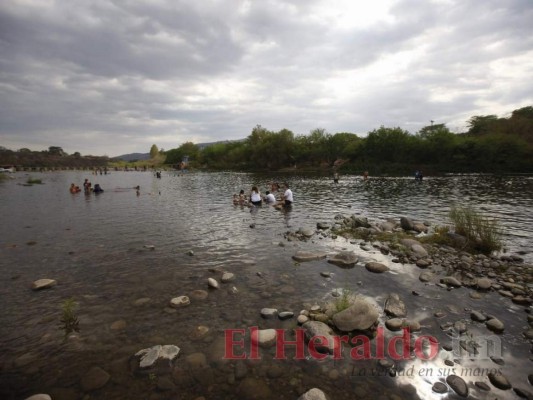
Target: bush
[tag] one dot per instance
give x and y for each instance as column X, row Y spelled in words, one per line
column 31, row 181
column 483, row 234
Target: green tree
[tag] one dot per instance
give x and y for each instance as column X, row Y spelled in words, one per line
column 481, row 124
column 56, row 150
column 154, row 151
column 188, row 149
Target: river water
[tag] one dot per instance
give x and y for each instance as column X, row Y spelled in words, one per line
column 95, row 246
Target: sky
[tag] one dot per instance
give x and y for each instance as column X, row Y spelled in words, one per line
column 110, row 77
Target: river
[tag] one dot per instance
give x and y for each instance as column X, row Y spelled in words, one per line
column 98, row 248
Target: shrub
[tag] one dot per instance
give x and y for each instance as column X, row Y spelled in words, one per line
column 483, row 234
column 69, row 320
column 343, row 301
column 31, row 181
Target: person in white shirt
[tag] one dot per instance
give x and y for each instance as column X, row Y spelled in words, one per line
column 287, row 196
column 270, row 198
column 255, row 197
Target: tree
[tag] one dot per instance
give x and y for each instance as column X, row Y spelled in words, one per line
column 154, row 151
column 480, row 124
column 56, row 150
column 175, row 156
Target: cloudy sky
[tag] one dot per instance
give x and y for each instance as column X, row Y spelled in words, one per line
column 108, row 77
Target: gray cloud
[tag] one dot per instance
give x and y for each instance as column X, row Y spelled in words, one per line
column 111, row 77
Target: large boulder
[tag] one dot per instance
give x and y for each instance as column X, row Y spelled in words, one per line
column 303, row 256
column 414, row 247
column 394, row 306
column 360, row 316
column 344, row 259
column 407, row 224
column 317, row 328
column 376, row 267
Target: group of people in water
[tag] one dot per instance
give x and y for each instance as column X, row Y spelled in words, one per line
column 255, row 199
column 87, row 188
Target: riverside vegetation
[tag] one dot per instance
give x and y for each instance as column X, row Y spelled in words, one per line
column 491, row 144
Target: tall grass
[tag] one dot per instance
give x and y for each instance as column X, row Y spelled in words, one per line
column 483, row 234
column 69, row 320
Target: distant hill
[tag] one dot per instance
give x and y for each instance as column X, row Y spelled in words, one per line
column 133, row 157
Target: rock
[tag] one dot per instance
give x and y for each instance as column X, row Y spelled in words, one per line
column 361, row 315
column 495, row 325
column 322, row 225
column 414, row 247
column 149, row 356
column 199, row 294
column 482, row 386
column 165, row 384
column 475, row 295
column 265, row 337
column 477, row 316
column 307, row 232
column 317, row 328
column 227, row 277
column 190, row 253
column 423, row 263
column 325, row 274
column 414, row 326
column 196, row 361
column 439, row 387
column 212, row 283
column 94, row 379
column 420, row 227
column 199, row 332
column 285, row 315
column 39, row 397
column 43, row 284
column 118, row 325
column 484, row 283
column 302, row 319
column 528, row 334
column 387, row 226
column 522, row 300
column 253, row 389
column 406, row 224
column 394, row 306
column 425, row 276
column 180, row 301
column 269, row 312
column 458, row 385
column 394, row 324
column 376, row 267
column 523, row 393
column 451, row 281
column 344, row 259
column 359, row 222
column 460, row 326
column 499, row 380
column 304, row 256
column 142, row 301
column 313, row 394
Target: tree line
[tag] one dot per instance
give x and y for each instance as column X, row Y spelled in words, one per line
column 491, row 144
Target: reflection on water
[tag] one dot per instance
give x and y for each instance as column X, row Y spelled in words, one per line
column 94, row 246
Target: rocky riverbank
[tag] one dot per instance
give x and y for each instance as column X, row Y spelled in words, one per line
column 170, row 369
